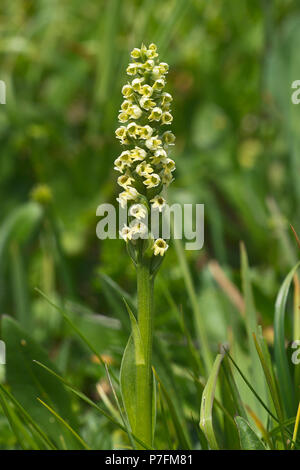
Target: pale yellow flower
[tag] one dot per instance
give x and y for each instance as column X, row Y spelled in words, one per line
column 121, row 132
column 139, row 229
column 126, row 233
column 123, row 117
column 127, row 91
column 169, row 165
column 148, row 65
column 168, row 138
column 166, row 98
column 158, row 202
column 128, row 195
column 136, row 53
column 119, row 165
column 146, row 90
column 125, row 181
column 147, row 103
column 163, row 67
column 132, row 69
column 166, row 178
column 126, row 105
column 155, row 114
column 153, row 143
column 132, row 129
column 160, row 156
column 159, row 84
column 144, row 169
column 145, row 132
column 139, row 211
column 138, row 154
column 135, row 112
column 125, row 156
column 137, row 83
column 152, row 181
column 166, row 118
column 160, row 246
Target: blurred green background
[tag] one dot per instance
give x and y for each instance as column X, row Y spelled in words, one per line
column 237, row 151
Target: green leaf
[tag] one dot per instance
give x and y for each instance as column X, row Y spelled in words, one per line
column 128, row 382
column 206, row 419
column 249, row 440
column 27, row 381
column 282, row 364
column 136, row 334
column 18, row 226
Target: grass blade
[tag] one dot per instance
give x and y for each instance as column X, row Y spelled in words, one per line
column 61, row 420
column 283, row 369
column 206, row 420
column 249, row 439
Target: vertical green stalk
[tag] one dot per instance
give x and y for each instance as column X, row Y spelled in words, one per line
column 144, row 378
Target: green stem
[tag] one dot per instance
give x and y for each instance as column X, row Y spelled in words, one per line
column 144, row 378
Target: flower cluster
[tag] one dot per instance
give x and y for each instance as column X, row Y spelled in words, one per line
column 144, row 166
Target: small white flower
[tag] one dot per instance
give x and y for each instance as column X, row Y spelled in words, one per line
column 123, row 117
column 155, row 114
column 146, row 90
column 121, row 132
column 145, row 132
column 166, row 118
column 156, row 73
column 169, row 165
column 166, row 178
column 132, row 129
column 152, row 181
column 139, row 229
column 125, row 157
column 168, row 138
column 138, row 154
column 144, row 169
column 128, row 195
column 126, row 233
column 166, row 98
column 159, row 84
column 151, row 54
column 160, row 156
column 136, row 53
column 135, row 112
column 147, row 103
column 132, row 69
column 148, row 65
column 127, row 91
column 125, row 181
column 139, row 211
column 137, row 83
column 158, row 202
column 160, row 246
column 126, row 105
column 153, row 143
column 119, row 165
column 163, row 67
